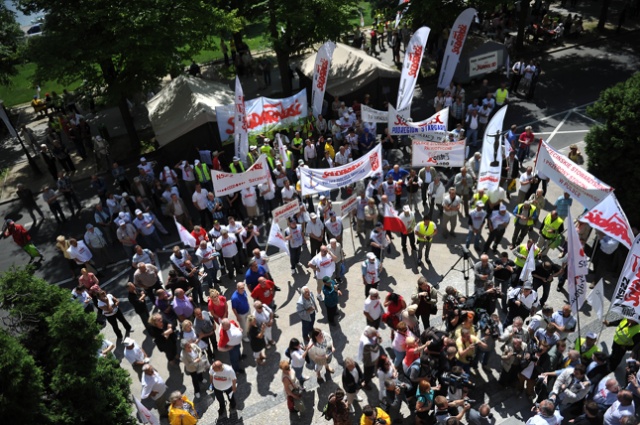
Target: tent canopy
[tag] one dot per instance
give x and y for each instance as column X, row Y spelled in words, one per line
column 351, row 69
column 185, row 104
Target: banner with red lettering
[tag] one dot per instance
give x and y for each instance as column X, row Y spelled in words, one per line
column 483, row 64
column 264, row 114
column 491, row 161
column 456, row 40
column 320, row 74
column 240, row 130
column 347, row 206
column 228, row 183
column 323, row 180
column 577, row 268
column 287, row 210
column 373, row 115
column 411, row 67
column 572, row 178
column 433, row 129
column 626, row 297
column 437, row 154
column 609, row 218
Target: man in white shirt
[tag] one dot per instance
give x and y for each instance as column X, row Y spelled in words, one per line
column 310, row 154
column 288, row 192
column 231, row 341
column 315, row 231
column 526, row 179
column 373, row 309
column 250, row 201
column 145, row 223
column 436, row 192
column 498, row 222
column 135, row 355
column 334, row 226
column 153, row 387
column 96, row 241
column 546, row 414
column 268, row 195
column 199, row 199
column 521, row 301
column 223, row 380
column 79, row 252
column 451, row 208
column 226, row 244
column 622, row 407
column 342, row 157
column 208, row 257
column 476, row 220
column 324, row 264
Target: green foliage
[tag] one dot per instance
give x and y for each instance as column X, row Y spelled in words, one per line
column 61, row 342
column 612, row 147
column 439, row 15
column 11, row 40
column 21, row 382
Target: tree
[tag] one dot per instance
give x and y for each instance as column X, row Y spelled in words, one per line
column 64, row 341
column 10, row 44
column 612, row 147
column 122, row 47
column 295, row 25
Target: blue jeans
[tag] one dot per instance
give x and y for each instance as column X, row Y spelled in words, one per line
column 298, row 371
column 307, row 327
column 397, row 361
column 234, row 358
column 476, row 239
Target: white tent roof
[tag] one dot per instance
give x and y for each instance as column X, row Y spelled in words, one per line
column 351, row 69
column 185, row 104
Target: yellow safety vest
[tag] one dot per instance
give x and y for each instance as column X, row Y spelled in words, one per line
column 549, row 225
column 267, row 150
column 202, row 173
column 589, row 352
column 501, row 96
column 289, row 160
column 530, row 221
column 297, row 141
column 232, row 167
column 272, row 164
column 624, row 334
column 425, row 233
column 524, row 251
column 477, row 198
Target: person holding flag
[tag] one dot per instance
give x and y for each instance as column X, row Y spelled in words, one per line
column 551, row 229
column 521, row 253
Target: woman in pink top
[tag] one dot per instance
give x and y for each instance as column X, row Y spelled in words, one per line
column 398, row 344
column 87, row 279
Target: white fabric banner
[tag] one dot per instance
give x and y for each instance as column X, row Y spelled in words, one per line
column 456, row 40
column 596, row 299
column 347, row 206
column 227, row 183
column 492, row 154
column 626, row 297
column 433, row 129
column 578, row 268
column 529, row 264
column 483, row 64
column 609, row 218
column 572, row 178
column 322, row 180
column 287, row 210
column 276, row 238
column 437, row 154
column 240, row 130
column 411, row 67
column 373, row 115
column 282, row 151
column 322, row 66
column 264, row 114
column 145, row 416
column 185, row 237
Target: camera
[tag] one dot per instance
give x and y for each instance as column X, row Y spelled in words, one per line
column 456, row 381
column 632, row 367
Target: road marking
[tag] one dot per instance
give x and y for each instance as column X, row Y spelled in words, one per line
column 587, row 118
column 563, row 132
column 62, row 282
column 555, row 130
column 118, row 276
column 557, row 113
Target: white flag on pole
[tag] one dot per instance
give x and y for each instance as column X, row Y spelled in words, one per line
column 596, row 299
column 276, row 238
column 145, row 416
column 241, row 129
column 186, row 237
column 578, row 268
column 411, row 68
column 529, row 264
column 491, row 161
column 626, row 297
column 456, row 40
column 609, row 218
column 320, row 75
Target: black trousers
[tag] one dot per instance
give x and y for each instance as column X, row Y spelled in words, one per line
column 412, row 240
column 113, row 321
column 220, row 397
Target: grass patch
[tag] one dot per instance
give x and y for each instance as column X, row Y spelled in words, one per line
column 22, row 88
column 365, row 9
column 4, row 173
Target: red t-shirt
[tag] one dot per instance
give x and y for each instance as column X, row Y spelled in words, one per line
column 202, row 236
column 218, row 309
column 266, row 294
column 411, row 356
column 526, row 139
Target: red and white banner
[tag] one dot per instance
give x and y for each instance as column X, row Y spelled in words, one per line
column 433, row 129
column 578, row 268
column 145, row 416
column 491, row 161
column 282, row 151
column 276, row 238
column 320, row 75
column 483, row 64
column 391, row 221
column 609, row 218
column 529, row 264
column 287, row 210
column 185, row 237
column 373, row 115
column 240, row 130
column 411, row 67
column 437, row 154
column 347, row 206
column 227, row 183
column 572, row 178
column 456, row 40
column 626, row 297
column 323, row 180
column 264, row 114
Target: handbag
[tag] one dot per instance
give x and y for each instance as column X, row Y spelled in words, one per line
column 298, row 404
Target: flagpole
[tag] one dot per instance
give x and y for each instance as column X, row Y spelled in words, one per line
column 351, row 226
column 575, row 300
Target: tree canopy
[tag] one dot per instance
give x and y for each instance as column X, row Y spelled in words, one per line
column 55, row 348
column 612, row 147
column 11, row 37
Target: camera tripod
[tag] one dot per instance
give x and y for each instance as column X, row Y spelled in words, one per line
column 466, row 266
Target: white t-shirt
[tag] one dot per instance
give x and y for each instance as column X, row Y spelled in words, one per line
column 297, row 359
column 265, row 192
column 135, row 354
column 206, row 255
column 262, row 261
column 316, row 228
column 335, row 227
column 288, row 194
column 373, row 307
column 227, row 246
column 222, row 380
column 614, row 413
column 152, row 383
column 111, row 303
column 325, row 266
column 200, row 199
column 80, row 253
column 249, row 198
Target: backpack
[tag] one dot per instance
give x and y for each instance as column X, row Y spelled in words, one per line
column 327, row 410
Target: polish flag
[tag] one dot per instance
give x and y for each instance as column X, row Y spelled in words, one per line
column 391, row 221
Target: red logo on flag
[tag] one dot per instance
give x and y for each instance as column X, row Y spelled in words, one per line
column 375, row 161
column 322, row 69
column 414, row 60
column 614, row 226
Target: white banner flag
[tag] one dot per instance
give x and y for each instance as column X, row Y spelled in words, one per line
column 577, row 268
column 227, row 183
column 572, row 178
column 373, row 115
column 626, row 297
column 491, row 161
column 287, row 210
column 411, row 67
column 596, row 299
column 529, row 264
column 322, row 180
column 185, row 237
column 276, row 238
column 433, row 129
column 437, row 154
column 282, row 151
column 456, row 40
column 145, row 416
column 264, row 114
column 609, row 218
column 320, row 75
column 241, row 131
column 347, row 206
